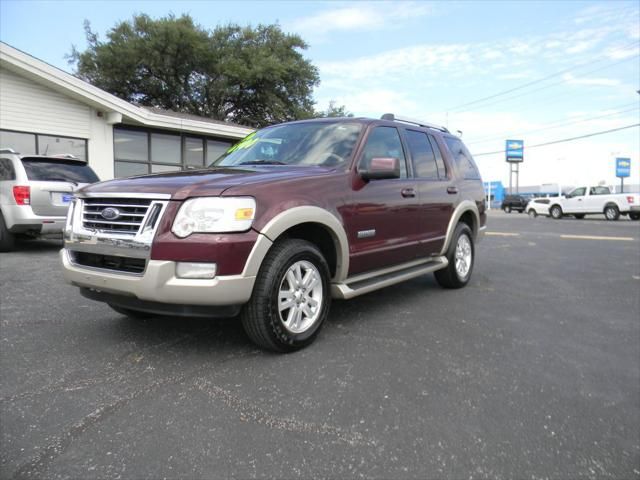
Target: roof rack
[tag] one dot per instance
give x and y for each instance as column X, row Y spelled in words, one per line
column 396, row 118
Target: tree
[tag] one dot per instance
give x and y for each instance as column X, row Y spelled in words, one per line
column 254, row 76
column 333, row 111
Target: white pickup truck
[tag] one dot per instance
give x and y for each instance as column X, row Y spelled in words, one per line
column 583, row 201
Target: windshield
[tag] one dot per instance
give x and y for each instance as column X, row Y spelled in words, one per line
column 327, row 144
column 58, row 171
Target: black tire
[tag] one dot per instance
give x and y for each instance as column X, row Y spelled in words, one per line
column 611, row 212
column 449, row 277
column 261, row 318
column 135, row 314
column 7, row 239
column 634, row 216
column 507, row 209
column 532, row 213
column 579, row 216
column 556, row 212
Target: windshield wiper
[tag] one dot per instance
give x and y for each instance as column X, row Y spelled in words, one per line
column 57, row 179
column 262, row 162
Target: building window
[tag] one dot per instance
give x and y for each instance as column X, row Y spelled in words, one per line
column 194, row 151
column 165, row 148
column 24, row 143
column 38, row 144
column 48, row 145
column 137, row 152
column 215, row 149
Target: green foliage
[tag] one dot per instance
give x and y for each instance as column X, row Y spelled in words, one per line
column 334, row 111
column 254, row 76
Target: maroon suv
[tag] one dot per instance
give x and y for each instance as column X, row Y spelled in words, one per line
column 292, row 216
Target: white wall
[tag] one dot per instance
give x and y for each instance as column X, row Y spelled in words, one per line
column 27, row 106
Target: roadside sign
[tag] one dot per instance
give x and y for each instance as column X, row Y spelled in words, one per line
column 623, row 167
column 514, row 150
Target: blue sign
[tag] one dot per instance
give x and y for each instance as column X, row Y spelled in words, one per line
column 623, row 167
column 514, row 150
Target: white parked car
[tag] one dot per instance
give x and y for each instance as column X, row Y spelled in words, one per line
column 583, row 201
column 538, row 206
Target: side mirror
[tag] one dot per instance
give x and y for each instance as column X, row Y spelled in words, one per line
column 382, row 168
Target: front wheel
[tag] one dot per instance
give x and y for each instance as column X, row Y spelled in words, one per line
column 291, row 297
column 507, row 209
column 611, row 212
column 556, row 212
column 461, row 254
column 532, row 213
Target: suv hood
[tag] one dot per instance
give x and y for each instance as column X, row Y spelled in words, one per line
column 205, row 182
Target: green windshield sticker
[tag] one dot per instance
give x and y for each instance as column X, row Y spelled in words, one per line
column 246, row 142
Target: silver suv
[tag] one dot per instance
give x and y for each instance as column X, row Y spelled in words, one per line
column 35, row 192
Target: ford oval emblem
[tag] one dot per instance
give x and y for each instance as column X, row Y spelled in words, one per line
column 110, row 213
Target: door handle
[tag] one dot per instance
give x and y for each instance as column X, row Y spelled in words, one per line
column 452, row 190
column 408, row 192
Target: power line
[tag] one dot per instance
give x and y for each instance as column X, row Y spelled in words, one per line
column 553, row 125
column 540, row 80
column 564, row 139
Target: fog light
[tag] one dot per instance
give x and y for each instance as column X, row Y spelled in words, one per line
column 196, row 270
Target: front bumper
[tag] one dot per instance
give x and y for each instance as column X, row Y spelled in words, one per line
column 20, row 218
column 159, row 284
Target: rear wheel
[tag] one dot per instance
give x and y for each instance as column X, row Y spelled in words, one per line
column 7, row 239
column 556, row 212
column 611, row 212
column 634, row 216
column 461, row 254
column 507, row 209
column 127, row 312
column 291, row 297
column 532, row 213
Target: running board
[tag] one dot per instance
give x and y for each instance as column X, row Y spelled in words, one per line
column 368, row 282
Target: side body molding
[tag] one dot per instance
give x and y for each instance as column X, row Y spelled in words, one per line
column 461, row 209
column 296, row 216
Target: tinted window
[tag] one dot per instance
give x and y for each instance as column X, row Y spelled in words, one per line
column 48, row 145
column 422, row 156
column 599, row 191
column 130, row 145
column 130, row 169
column 58, row 170
column 215, row 149
column 6, row 170
column 442, row 169
column 462, row 158
column 194, row 151
column 165, row 148
column 24, row 143
column 384, row 142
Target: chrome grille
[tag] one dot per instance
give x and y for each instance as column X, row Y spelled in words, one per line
column 131, row 213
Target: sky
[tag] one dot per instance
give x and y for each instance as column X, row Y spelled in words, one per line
column 569, row 68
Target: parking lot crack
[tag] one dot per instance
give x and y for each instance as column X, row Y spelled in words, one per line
column 249, row 412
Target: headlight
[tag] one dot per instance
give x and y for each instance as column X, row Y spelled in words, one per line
column 214, row 215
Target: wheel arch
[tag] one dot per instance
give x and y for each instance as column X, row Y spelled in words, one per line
column 314, row 224
column 466, row 212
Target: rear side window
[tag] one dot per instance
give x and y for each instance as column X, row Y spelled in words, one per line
column 6, row 170
column 422, row 156
column 462, row 158
column 384, row 142
column 442, row 169
column 58, row 171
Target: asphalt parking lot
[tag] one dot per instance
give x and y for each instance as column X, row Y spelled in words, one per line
column 532, row 371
